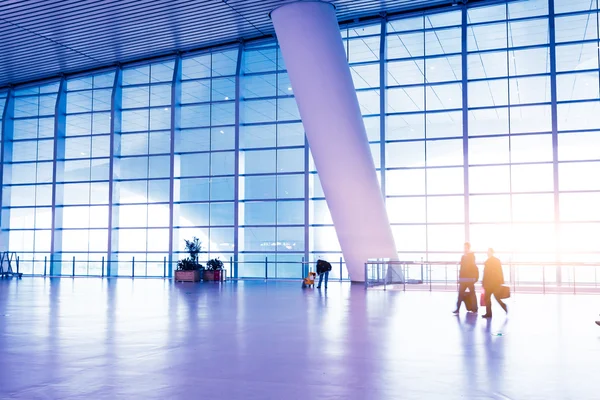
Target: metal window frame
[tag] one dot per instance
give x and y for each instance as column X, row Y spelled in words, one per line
column 115, row 125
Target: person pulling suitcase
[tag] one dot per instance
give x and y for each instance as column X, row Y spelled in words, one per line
column 468, row 276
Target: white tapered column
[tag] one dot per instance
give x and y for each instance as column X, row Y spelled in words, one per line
column 313, row 51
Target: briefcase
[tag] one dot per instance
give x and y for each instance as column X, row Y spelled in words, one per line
column 503, row 292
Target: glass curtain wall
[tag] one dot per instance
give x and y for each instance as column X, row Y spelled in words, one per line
column 483, row 122
column 424, row 135
column 511, row 171
column 578, row 125
column 204, row 186
column 28, row 144
column 142, row 170
column 272, row 168
column 81, row 218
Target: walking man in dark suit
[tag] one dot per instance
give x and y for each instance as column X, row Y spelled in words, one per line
column 493, row 279
column 468, row 275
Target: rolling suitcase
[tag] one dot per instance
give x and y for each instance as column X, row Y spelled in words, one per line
column 471, row 301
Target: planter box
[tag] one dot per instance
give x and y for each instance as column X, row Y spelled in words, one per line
column 212, row 275
column 187, row 276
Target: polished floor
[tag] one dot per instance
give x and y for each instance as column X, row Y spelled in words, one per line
column 152, row 339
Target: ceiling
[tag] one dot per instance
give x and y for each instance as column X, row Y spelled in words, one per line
column 43, row 38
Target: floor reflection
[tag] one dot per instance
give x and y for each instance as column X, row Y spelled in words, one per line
column 153, row 339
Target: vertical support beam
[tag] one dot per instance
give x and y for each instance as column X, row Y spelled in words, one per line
column 554, row 109
column 382, row 102
column 115, row 150
column 5, row 175
column 236, row 185
column 175, row 124
column 465, row 120
column 60, row 126
column 313, row 51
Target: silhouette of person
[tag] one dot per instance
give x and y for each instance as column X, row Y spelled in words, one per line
column 493, row 279
column 468, row 275
column 323, row 268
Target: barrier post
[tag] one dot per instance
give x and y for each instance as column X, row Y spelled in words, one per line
column 132, row 267
column 544, row 279
column 165, row 267
column 515, row 277
column 73, row 272
column 383, row 272
column 366, row 276
column 103, row 266
column 341, row 268
column 266, row 268
column 45, row 261
column 430, row 277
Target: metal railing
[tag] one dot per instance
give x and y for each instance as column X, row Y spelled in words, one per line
column 545, row 277
column 267, row 269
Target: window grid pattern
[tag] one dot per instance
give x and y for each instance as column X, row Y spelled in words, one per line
column 81, row 213
column 487, row 132
column 272, row 169
column 28, row 175
column 205, row 155
column 142, row 168
column 511, row 185
column 424, row 134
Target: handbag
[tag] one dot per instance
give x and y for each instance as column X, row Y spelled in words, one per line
column 504, row 292
column 482, row 298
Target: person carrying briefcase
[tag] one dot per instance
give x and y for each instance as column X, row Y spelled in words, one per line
column 493, row 283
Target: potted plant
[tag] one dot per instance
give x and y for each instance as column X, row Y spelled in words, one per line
column 214, row 269
column 188, row 269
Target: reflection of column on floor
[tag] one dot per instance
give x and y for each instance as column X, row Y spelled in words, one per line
column 314, row 55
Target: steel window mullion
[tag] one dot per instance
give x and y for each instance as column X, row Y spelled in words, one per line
column 508, row 48
column 554, row 108
column 499, row 78
column 6, row 147
column 268, row 123
column 382, row 105
column 175, row 116
column 419, row 85
column 236, row 184
column 465, row 120
column 115, row 125
column 60, row 111
column 198, row 103
column 423, row 30
column 441, row 111
column 508, row 20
